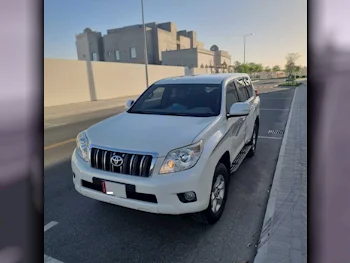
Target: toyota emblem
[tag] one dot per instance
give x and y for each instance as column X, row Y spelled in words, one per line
column 117, row 161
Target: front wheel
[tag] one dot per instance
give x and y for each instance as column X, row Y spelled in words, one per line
column 253, row 141
column 218, row 197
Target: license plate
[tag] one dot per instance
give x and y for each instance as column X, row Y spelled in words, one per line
column 114, row 189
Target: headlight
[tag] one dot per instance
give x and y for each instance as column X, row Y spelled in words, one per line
column 182, row 159
column 83, row 146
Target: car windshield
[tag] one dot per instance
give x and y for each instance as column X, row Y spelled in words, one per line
column 197, row 100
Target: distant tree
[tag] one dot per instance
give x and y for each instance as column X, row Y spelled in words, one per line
column 236, row 66
column 276, row 68
column 206, row 66
column 290, row 64
column 259, row 67
column 250, row 68
column 202, row 66
column 267, row 69
column 297, row 70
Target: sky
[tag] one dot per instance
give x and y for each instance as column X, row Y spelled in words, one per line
column 279, row 26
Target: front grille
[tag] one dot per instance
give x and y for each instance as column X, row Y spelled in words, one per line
column 133, row 164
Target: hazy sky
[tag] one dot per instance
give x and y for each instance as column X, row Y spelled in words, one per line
column 280, row 26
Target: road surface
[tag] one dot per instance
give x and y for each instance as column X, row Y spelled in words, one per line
column 91, row 231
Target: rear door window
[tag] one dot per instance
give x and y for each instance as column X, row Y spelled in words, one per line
column 241, row 90
column 231, row 96
column 249, row 87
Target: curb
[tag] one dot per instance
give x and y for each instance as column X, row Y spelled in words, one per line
column 261, row 254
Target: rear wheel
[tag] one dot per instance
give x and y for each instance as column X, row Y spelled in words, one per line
column 218, row 197
column 253, row 141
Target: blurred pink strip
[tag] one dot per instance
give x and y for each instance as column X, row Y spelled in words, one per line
column 11, row 255
column 17, row 91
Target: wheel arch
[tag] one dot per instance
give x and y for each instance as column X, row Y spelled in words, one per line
column 226, row 160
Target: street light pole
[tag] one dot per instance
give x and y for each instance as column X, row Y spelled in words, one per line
column 244, row 41
column 145, row 45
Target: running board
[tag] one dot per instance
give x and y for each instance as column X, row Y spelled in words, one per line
column 239, row 159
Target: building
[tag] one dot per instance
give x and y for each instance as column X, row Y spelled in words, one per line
column 196, row 57
column 126, row 44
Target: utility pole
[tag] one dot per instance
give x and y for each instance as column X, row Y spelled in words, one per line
column 244, row 41
column 145, row 45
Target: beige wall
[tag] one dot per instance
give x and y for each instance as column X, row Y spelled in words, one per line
column 67, row 81
column 200, row 45
column 198, row 71
column 205, row 58
column 123, row 40
column 166, row 41
column 185, row 42
column 269, row 75
column 183, row 57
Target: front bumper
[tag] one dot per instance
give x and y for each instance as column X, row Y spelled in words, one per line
column 162, row 188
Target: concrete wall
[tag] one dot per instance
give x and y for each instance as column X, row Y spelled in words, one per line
column 123, row 40
column 205, row 57
column 221, row 57
column 87, row 43
column 70, row 81
column 269, row 75
column 183, row 57
column 195, row 57
column 166, row 41
column 65, row 81
column 185, row 42
column 200, row 45
column 198, row 71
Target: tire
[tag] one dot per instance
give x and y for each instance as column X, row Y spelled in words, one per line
column 253, row 141
column 209, row 216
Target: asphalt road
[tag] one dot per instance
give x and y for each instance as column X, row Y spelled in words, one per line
column 91, row 231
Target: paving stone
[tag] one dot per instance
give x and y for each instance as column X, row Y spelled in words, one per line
column 296, row 243
column 295, row 256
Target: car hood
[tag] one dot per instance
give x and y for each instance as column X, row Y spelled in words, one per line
column 147, row 133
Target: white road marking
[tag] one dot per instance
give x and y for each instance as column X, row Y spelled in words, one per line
column 278, row 98
column 267, row 137
column 273, row 109
column 48, row 259
column 50, row 225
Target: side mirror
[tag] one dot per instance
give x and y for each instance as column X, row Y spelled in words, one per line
column 128, row 104
column 239, row 109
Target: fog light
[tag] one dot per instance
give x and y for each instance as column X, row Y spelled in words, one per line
column 189, row 196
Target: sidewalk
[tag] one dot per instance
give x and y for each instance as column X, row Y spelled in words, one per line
column 284, row 233
column 56, row 112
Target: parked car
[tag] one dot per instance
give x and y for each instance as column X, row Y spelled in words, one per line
column 173, row 150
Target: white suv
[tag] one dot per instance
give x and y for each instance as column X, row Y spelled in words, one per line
column 173, row 150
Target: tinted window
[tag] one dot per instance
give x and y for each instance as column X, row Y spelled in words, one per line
column 231, row 96
column 198, row 100
column 242, row 92
column 249, row 87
